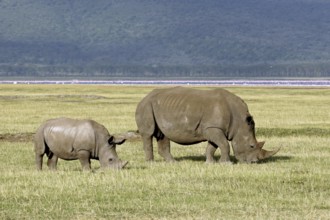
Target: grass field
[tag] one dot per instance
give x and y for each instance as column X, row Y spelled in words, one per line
column 294, row 184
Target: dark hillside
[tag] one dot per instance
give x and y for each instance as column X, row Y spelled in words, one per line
column 155, row 37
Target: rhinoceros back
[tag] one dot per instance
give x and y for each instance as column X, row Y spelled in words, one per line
column 182, row 113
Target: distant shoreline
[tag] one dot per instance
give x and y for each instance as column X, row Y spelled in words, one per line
column 177, row 82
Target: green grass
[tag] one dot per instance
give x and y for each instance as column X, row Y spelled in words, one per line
column 294, row 184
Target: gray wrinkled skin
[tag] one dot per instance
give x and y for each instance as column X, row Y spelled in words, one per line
column 71, row 139
column 189, row 116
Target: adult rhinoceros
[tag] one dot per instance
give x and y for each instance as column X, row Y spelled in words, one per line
column 71, row 139
column 188, row 116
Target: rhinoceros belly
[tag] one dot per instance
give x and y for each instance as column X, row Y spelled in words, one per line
column 66, row 142
column 179, row 119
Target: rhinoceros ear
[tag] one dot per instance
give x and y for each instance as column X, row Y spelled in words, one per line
column 118, row 141
column 249, row 120
column 110, row 141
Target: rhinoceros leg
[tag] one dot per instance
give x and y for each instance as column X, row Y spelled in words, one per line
column 52, row 162
column 39, row 159
column 210, row 150
column 148, row 147
column 164, row 149
column 84, row 158
column 217, row 137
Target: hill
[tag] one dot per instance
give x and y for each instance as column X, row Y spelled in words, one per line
column 155, row 37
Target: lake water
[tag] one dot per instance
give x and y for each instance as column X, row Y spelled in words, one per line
column 179, row 82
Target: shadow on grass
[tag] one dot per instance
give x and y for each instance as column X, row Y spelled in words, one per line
column 128, row 167
column 276, row 159
column 233, row 159
column 192, row 158
column 200, row 158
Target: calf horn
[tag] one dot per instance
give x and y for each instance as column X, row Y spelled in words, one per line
column 124, row 164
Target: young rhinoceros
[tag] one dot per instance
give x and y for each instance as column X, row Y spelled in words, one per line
column 71, row 139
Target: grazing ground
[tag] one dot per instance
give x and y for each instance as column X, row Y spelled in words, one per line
column 294, row 184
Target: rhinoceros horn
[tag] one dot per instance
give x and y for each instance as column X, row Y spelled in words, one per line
column 264, row 154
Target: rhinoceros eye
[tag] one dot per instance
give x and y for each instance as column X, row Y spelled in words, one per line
column 252, row 146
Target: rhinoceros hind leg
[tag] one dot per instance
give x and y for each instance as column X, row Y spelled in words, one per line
column 52, row 162
column 148, row 147
column 164, row 149
column 217, row 137
column 84, row 158
column 39, row 160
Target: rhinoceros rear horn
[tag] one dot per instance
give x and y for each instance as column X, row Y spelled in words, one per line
column 260, row 144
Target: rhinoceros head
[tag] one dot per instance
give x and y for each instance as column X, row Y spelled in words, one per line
column 254, row 154
column 246, row 148
column 109, row 157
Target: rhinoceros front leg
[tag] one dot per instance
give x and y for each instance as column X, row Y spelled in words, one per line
column 84, row 158
column 52, row 162
column 164, row 149
column 210, row 150
column 217, row 138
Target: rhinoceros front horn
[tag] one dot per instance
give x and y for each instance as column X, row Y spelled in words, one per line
column 264, row 154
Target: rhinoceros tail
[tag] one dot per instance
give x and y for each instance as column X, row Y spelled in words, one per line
column 47, row 151
column 158, row 134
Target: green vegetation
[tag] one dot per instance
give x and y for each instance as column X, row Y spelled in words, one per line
column 168, row 38
column 294, row 184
